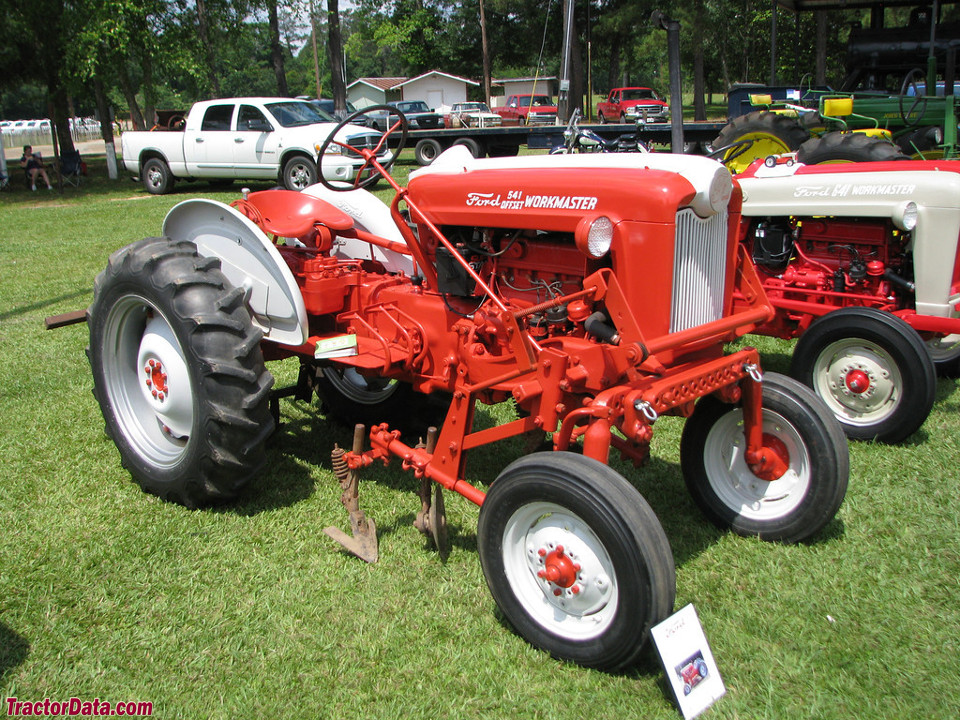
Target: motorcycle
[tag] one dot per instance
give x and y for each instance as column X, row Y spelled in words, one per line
column 584, row 140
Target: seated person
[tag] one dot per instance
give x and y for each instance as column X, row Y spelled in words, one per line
column 33, row 164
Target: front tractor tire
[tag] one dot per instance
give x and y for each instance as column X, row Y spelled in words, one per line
column 872, row 370
column 791, row 508
column 762, row 133
column 575, row 559
column 178, row 372
column 847, row 147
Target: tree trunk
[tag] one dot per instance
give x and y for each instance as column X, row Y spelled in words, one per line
column 699, row 109
column 276, row 49
column 485, row 52
column 338, row 82
column 207, row 49
column 60, row 117
column 821, row 62
column 106, row 126
column 149, row 97
column 136, row 117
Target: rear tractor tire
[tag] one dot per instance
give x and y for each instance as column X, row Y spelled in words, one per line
column 575, row 559
column 791, row 508
column 768, row 134
column 178, row 372
column 847, row 147
column 872, row 370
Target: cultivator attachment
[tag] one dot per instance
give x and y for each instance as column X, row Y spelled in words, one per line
column 432, row 518
column 363, row 541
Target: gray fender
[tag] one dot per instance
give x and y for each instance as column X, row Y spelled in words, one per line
column 249, row 260
column 371, row 214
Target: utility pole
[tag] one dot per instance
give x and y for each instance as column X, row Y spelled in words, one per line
column 676, row 91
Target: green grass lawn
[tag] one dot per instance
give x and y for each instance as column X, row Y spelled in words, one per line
column 250, row 611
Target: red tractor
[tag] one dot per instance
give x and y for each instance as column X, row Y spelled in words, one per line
column 862, row 263
column 594, row 294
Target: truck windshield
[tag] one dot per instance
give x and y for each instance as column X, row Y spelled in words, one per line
column 535, row 101
column 639, row 94
column 408, row 107
column 295, row 113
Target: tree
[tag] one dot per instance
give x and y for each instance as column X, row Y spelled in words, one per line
column 335, row 53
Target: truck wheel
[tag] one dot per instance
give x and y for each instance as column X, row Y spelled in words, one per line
column 178, row 372
column 575, row 559
column 474, row 146
column 426, row 151
column 503, row 150
column 871, row 369
column 623, row 118
column 791, row 508
column 299, row 173
column 757, row 135
column 945, row 352
column 601, row 119
column 157, row 179
column 844, row 147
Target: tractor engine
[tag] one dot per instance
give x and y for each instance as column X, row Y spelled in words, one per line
column 524, row 266
column 840, row 261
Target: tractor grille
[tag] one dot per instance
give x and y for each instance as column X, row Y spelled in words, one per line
column 699, row 270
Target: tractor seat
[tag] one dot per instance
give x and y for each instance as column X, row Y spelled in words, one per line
column 290, row 214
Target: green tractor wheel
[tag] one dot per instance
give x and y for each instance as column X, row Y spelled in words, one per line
column 758, row 135
column 847, row 147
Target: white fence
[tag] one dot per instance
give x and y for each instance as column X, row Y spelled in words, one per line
column 37, row 132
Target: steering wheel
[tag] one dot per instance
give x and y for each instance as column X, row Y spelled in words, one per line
column 369, row 154
column 919, row 105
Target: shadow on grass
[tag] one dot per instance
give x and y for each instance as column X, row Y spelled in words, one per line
column 14, row 649
column 24, row 309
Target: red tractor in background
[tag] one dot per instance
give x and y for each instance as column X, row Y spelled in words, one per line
column 862, row 263
column 595, row 293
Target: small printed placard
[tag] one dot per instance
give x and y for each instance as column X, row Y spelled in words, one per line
column 688, row 662
column 334, row 347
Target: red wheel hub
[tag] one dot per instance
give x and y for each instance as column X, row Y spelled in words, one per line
column 857, row 381
column 156, row 379
column 772, row 461
column 559, row 569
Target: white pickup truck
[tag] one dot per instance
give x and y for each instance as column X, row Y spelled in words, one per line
column 246, row 138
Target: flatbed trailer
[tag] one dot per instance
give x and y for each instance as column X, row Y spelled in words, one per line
column 506, row 141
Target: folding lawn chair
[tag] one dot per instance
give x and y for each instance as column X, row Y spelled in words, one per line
column 71, row 168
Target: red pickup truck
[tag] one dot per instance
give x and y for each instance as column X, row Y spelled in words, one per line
column 528, row 110
column 630, row 104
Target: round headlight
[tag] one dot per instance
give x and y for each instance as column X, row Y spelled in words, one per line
column 907, row 219
column 594, row 236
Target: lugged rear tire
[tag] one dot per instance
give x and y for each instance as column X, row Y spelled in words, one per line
column 846, row 147
column 178, row 372
column 771, row 133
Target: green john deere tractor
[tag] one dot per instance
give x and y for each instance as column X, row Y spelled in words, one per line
column 832, row 127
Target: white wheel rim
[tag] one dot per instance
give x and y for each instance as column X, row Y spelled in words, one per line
column 737, row 486
column 534, row 534
column 136, row 333
column 859, row 381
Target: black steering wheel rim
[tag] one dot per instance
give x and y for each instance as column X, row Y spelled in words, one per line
column 375, row 175
column 920, row 101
